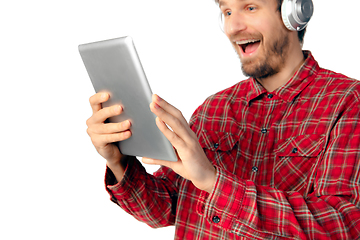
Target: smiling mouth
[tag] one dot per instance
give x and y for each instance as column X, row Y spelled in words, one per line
column 248, row 46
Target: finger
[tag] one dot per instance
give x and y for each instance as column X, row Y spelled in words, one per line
column 179, row 126
column 105, row 113
column 97, row 99
column 173, row 138
column 152, row 161
column 110, row 128
column 168, row 108
column 104, row 139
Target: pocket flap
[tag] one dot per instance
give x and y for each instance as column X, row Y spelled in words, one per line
column 217, row 141
column 309, row 145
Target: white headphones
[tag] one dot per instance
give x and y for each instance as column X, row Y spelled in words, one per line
column 296, row 13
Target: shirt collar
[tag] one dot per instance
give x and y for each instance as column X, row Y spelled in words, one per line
column 302, row 78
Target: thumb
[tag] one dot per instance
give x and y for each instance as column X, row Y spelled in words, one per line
column 152, row 161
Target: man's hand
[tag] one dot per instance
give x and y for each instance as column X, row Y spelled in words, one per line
column 103, row 135
column 192, row 162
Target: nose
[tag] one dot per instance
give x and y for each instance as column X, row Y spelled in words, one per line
column 234, row 24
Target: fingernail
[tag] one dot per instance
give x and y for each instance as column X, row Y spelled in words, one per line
column 126, row 123
column 104, row 96
column 156, row 106
column 158, row 98
column 118, row 109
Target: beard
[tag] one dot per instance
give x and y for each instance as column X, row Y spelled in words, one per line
column 270, row 62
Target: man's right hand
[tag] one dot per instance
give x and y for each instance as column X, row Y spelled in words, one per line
column 104, row 135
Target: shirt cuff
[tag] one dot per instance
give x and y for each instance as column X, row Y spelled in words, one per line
column 118, row 189
column 223, row 205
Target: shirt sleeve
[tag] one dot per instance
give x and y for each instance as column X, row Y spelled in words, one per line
column 149, row 198
column 331, row 210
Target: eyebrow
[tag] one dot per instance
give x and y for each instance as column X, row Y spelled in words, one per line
column 220, row 2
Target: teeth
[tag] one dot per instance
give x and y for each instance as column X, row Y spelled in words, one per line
column 246, row 41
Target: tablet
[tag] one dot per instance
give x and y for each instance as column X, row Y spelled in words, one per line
column 114, row 67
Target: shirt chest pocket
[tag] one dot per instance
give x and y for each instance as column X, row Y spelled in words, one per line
column 296, row 158
column 218, row 146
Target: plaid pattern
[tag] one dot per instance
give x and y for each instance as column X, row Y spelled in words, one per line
column 288, row 165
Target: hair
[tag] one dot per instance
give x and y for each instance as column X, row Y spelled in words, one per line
column 301, row 34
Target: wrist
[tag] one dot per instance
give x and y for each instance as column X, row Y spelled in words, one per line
column 208, row 182
column 211, row 181
column 118, row 169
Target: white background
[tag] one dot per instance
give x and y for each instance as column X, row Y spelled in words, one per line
column 51, row 176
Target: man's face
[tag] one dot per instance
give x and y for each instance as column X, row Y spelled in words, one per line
column 258, row 35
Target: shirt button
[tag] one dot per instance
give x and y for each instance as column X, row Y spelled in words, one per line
column 294, row 150
column 264, row 130
column 216, row 219
column 216, row 145
column 270, row 96
column 255, row 169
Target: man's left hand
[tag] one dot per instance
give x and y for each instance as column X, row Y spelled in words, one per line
column 192, row 162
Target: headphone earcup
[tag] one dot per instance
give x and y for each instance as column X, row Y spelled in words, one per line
column 296, row 13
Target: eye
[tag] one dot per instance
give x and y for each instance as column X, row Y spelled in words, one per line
column 228, row 14
column 251, row 8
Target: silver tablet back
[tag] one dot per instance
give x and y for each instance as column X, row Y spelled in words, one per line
column 114, row 67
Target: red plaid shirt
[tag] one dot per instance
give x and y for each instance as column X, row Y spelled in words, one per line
column 288, row 165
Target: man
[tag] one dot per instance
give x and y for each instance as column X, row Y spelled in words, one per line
column 276, row 156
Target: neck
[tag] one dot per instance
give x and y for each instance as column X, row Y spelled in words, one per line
column 293, row 62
